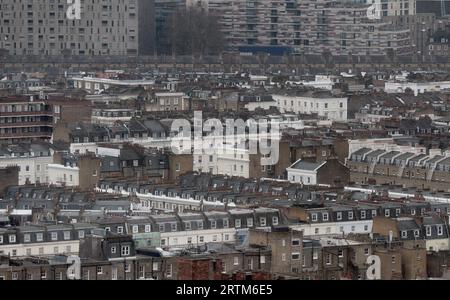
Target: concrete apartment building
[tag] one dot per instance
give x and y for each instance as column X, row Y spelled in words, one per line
column 24, row 119
column 279, row 26
column 107, row 27
column 394, row 8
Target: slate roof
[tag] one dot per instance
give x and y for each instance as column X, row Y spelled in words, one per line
column 305, row 165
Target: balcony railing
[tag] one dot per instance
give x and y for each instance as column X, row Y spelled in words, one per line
column 19, row 135
column 25, row 124
column 26, row 113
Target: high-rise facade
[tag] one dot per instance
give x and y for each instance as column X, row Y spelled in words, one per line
column 392, row 8
column 102, row 27
column 305, row 26
column 164, row 10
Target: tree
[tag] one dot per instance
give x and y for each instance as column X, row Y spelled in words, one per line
column 194, row 32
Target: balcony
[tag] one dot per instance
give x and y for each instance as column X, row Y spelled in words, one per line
column 26, row 113
column 20, row 135
column 26, row 124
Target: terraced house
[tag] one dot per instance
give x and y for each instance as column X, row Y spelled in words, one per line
column 426, row 171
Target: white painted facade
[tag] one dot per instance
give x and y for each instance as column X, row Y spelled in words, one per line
column 416, row 87
column 198, row 237
column 147, row 142
column 71, row 247
column 206, row 163
column 252, row 106
column 306, row 177
column 33, row 168
column 438, row 244
column 330, row 108
column 63, row 175
column 149, row 201
column 335, row 228
column 235, row 162
column 303, row 176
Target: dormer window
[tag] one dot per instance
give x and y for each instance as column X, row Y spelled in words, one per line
column 404, row 234
column 350, row 215
column 339, row 215
column 363, row 214
column 314, row 217
column 440, row 230
column 325, row 216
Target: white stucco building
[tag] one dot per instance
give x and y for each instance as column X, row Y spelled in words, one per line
column 32, row 160
column 323, row 104
column 395, row 87
column 63, row 175
column 304, row 172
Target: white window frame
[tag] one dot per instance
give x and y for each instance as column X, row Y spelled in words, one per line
column 263, row 221
column 275, row 221
column 226, row 223
column 325, row 216
column 27, row 238
column 350, row 215
column 428, row 230
column 314, row 217
column 440, row 230
column 363, row 214
column 187, row 226
column 339, row 215
column 39, row 237
column 114, row 273
column 135, row 229
column 125, row 250
column 404, row 234
column 295, row 254
column 237, row 223
column 12, row 238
